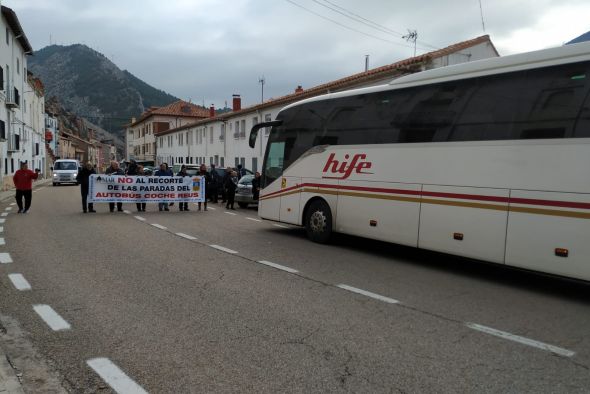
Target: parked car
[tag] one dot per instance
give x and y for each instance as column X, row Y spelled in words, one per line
column 244, row 196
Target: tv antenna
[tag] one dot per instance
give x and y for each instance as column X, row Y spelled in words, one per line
column 262, row 81
column 412, row 36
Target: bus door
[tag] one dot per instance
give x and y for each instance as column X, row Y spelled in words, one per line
column 269, row 205
column 290, row 200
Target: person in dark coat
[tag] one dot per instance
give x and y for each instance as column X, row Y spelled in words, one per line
column 115, row 170
column 83, row 179
column 241, row 171
column 231, row 185
column 163, row 171
column 226, row 176
column 140, row 205
column 214, row 184
column 132, row 168
column 183, row 206
column 203, row 172
column 256, row 186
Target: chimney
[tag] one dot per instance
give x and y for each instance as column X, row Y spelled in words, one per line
column 133, row 120
column 299, row 89
column 237, row 102
column 212, row 111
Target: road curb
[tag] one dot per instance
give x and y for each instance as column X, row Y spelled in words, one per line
column 9, row 383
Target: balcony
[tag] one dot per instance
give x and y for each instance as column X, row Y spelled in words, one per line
column 12, row 98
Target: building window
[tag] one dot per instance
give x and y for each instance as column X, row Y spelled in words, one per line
column 17, row 65
column 267, row 118
column 243, row 129
column 7, row 36
column 211, row 134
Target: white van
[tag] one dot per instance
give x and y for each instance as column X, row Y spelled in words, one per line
column 65, row 171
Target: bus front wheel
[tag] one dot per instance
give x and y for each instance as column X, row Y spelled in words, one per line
column 318, row 222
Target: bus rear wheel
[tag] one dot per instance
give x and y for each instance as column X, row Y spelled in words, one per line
column 318, row 222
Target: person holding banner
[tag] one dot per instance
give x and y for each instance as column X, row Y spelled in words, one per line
column 83, row 180
column 163, row 171
column 115, row 170
column 203, row 173
column 183, row 206
column 140, row 205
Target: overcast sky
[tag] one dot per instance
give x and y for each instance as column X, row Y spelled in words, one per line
column 206, row 50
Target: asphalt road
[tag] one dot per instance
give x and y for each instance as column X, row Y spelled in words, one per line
column 170, row 313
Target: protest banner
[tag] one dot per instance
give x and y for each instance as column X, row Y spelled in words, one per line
column 156, row 189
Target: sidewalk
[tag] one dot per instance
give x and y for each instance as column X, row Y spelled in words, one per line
column 9, row 383
column 8, row 194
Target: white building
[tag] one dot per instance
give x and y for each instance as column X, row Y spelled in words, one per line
column 223, row 140
column 22, row 136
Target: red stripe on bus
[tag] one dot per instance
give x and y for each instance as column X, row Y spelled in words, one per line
column 513, row 200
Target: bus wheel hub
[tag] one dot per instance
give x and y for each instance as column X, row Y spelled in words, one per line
column 317, row 221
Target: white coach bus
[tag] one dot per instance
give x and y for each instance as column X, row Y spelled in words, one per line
column 488, row 160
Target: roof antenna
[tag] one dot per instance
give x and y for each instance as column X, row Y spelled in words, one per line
column 366, row 63
column 412, row 36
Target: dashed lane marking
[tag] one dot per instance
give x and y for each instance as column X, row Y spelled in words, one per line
column 211, row 208
column 522, row 340
column 139, row 218
column 1, row 229
column 8, row 209
column 254, row 220
column 5, row 258
column 183, row 235
column 2, row 241
column 114, row 376
column 156, row 225
column 51, row 317
column 280, row 226
column 2, row 220
column 230, row 213
column 226, row 250
column 127, row 212
column 13, row 203
column 19, row 281
column 368, row 294
column 4, row 214
column 278, row 266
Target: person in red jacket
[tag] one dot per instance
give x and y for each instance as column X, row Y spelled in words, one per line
column 23, row 181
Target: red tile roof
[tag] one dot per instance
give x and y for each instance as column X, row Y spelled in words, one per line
column 178, row 108
column 389, row 71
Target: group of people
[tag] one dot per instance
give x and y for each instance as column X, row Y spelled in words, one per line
column 214, row 184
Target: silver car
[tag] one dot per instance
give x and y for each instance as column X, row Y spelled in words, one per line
column 244, row 195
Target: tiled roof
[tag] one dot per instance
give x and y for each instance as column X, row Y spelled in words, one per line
column 376, row 74
column 178, row 108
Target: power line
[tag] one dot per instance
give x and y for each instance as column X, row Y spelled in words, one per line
column 348, row 27
column 369, row 22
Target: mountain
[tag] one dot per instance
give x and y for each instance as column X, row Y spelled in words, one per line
column 89, row 85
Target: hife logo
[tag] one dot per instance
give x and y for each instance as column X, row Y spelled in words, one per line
column 357, row 164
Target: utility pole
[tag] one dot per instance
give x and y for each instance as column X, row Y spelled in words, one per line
column 366, row 63
column 412, row 36
column 262, row 81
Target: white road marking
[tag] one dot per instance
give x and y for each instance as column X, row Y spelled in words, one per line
column 114, row 377
column 2, row 220
column 5, row 258
column 522, row 340
column 139, row 218
column 4, row 214
column 254, row 220
column 183, row 235
column 368, row 294
column 12, row 203
column 2, row 241
column 230, row 213
column 1, row 229
column 278, row 266
column 211, row 208
column 223, row 249
column 8, row 209
column 51, row 317
column 127, row 212
column 19, row 281
column 280, row 225
column 159, row 226
column 35, row 191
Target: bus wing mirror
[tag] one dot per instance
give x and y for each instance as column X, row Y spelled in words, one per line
column 256, row 127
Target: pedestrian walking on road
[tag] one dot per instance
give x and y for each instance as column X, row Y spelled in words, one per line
column 183, row 206
column 23, row 182
column 203, row 173
column 114, row 169
column 140, row 205
column 241, row 171
column 230, row 187
column 224, row 181
column 256, row 186
column 214, row 186
column 163, row 171
column 83, row 179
